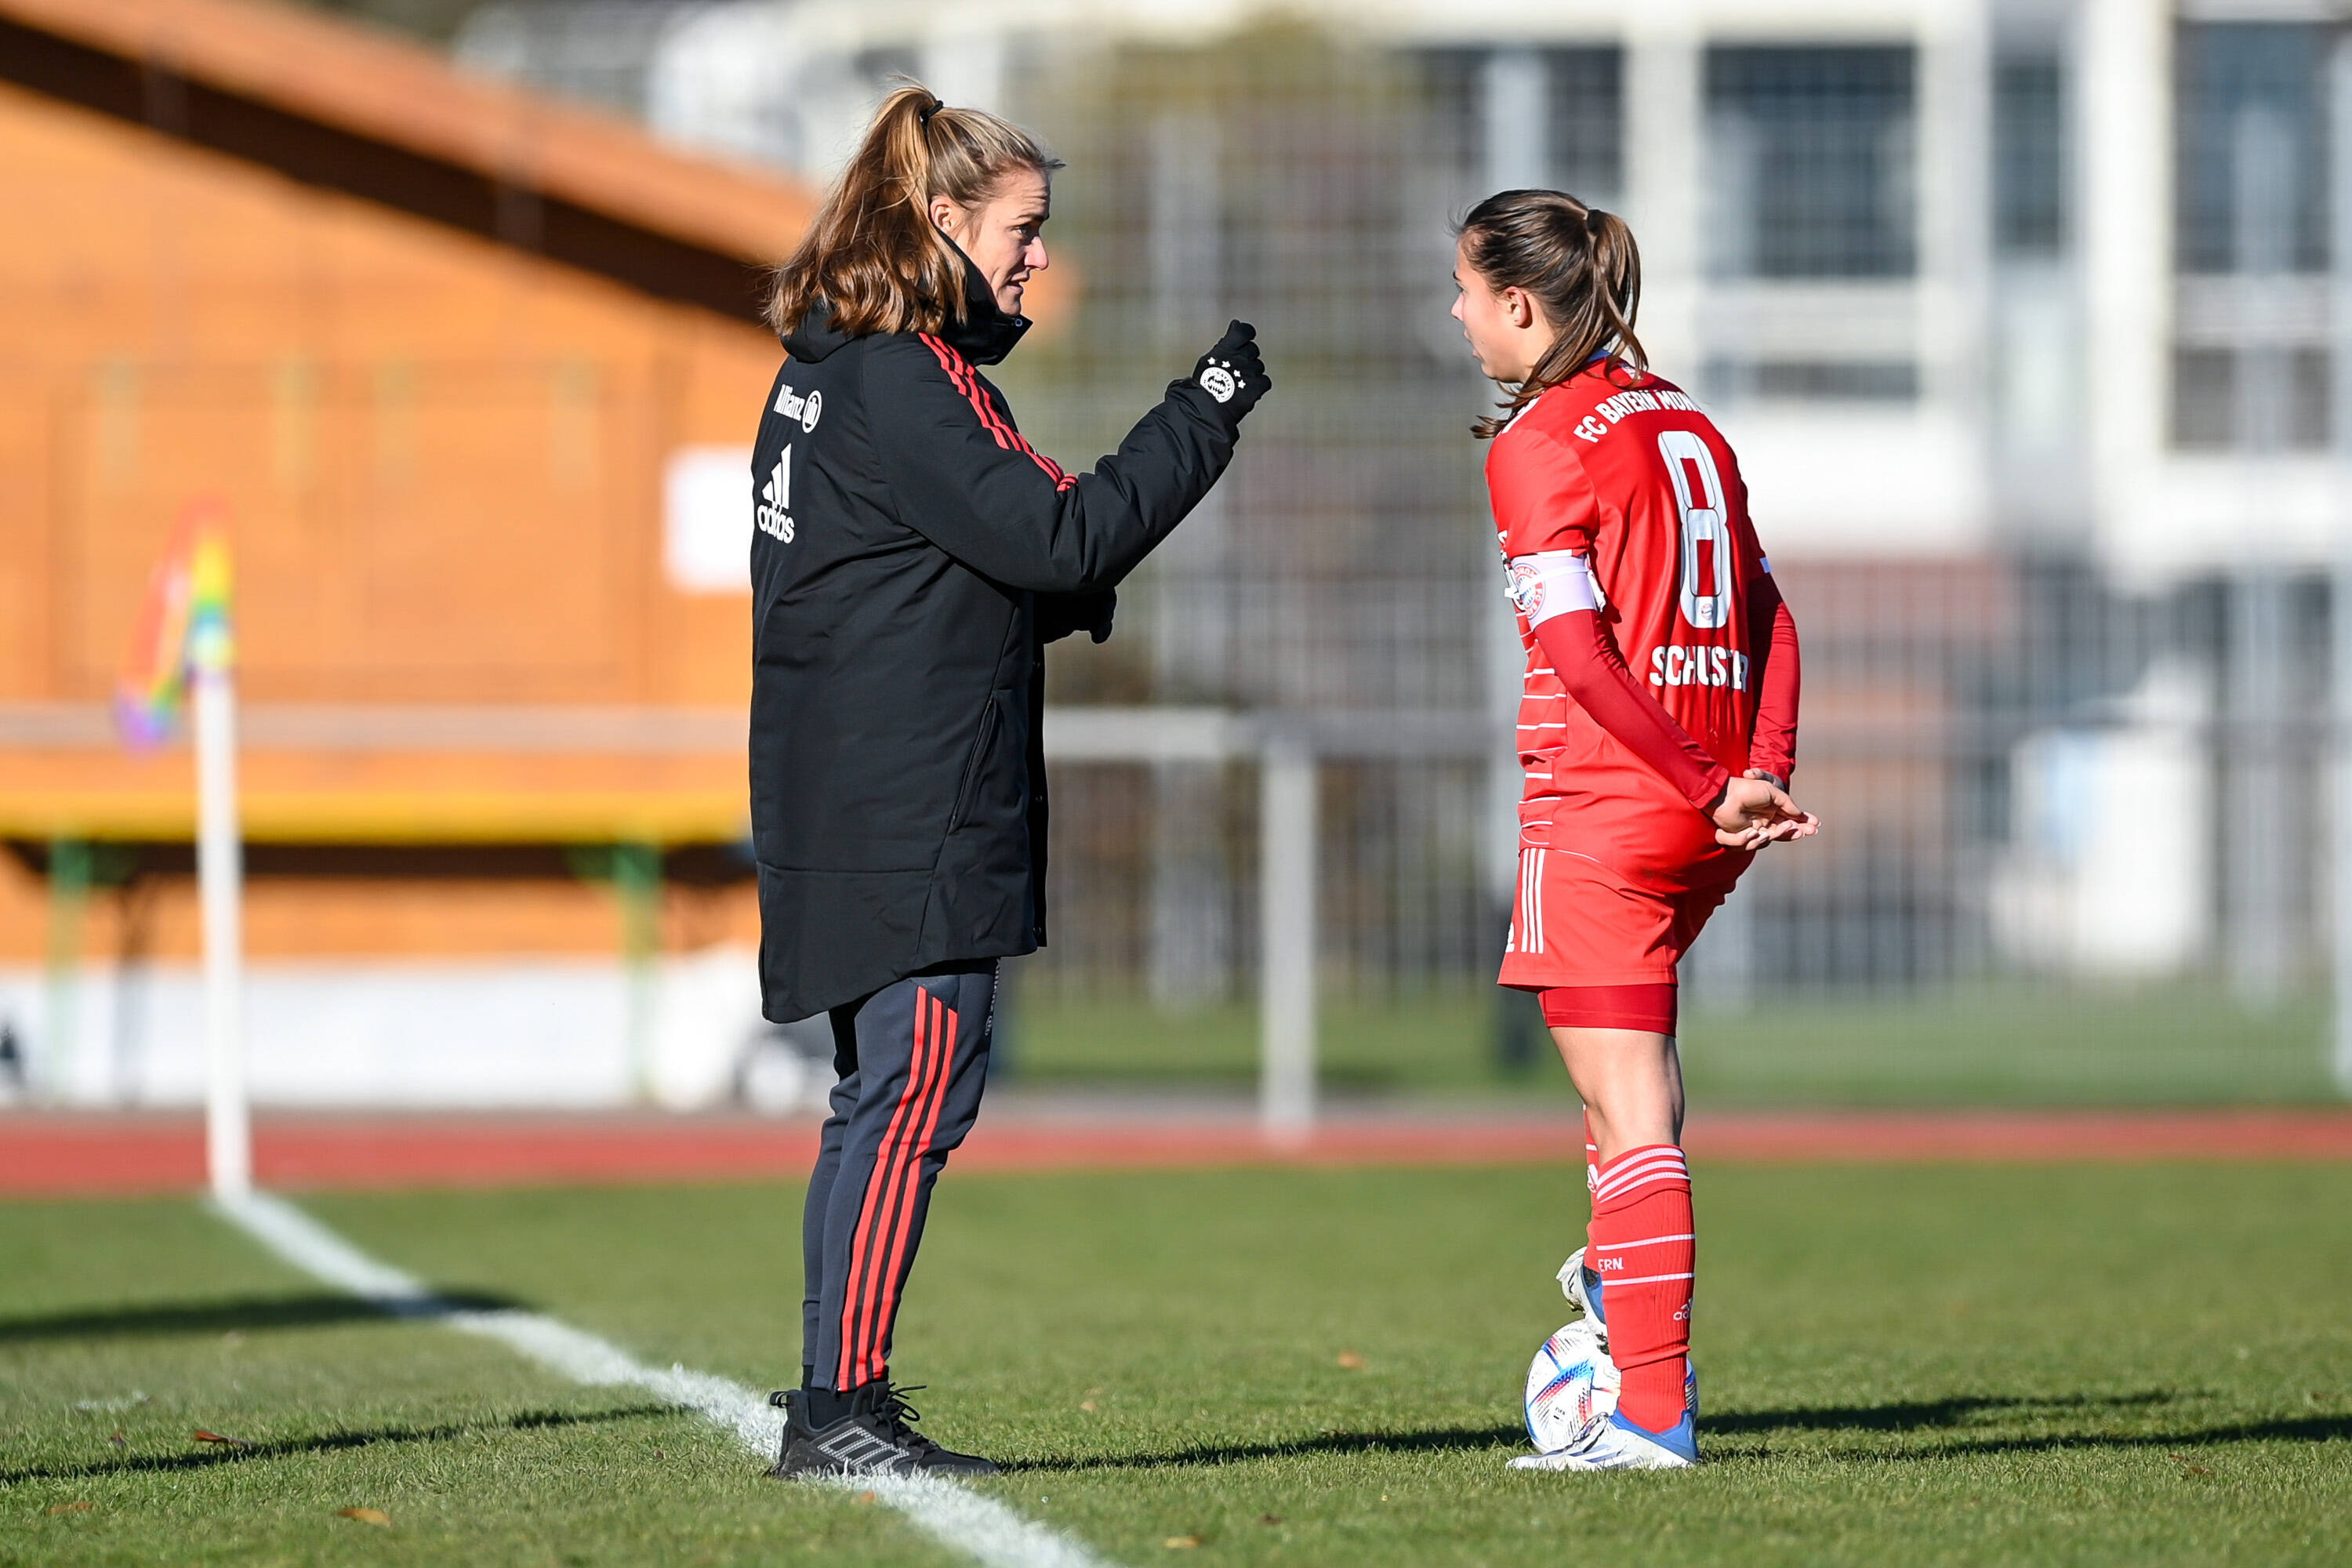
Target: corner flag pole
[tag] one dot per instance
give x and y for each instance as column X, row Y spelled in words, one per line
column 2339, row 603
column 220, row 853
column 184, row 649
column 220, row 879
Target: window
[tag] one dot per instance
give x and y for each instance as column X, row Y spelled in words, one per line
column 1732, row 380
column 2204, row 399
column 2210, row 400
column 2251, row 205
column 1450, row 80
column 1582, row 107
column 1587, row 124
column 2251, row 194
column 1812, row 151
column 2029, row 155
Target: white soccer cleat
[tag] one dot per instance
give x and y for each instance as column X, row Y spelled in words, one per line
column 1579, row 1295
column 1613, row 1443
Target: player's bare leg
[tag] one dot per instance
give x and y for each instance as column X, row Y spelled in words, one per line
column 1631, row 1081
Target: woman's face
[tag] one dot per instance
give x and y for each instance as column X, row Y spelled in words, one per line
column 1507, row 331
column 1003, row 234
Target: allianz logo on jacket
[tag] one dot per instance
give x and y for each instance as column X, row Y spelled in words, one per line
column 793, row 406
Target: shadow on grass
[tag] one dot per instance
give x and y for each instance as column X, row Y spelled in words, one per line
column 240, row 1314
column 1424, row 1442
column 325, row 1443
column 1954, row 1415
column 1923, row 1415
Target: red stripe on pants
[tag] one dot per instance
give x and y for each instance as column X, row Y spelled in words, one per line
column 900, row 1215
column 877, row 1185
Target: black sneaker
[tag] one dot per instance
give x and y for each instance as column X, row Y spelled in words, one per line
column 880, row 1441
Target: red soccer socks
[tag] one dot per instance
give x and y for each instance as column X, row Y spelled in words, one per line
column 1642, row 1247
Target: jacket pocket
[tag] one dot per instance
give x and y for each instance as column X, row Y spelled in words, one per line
column 980, row 746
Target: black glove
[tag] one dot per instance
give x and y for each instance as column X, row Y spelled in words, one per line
column 1059, row 615
column 1233, row 375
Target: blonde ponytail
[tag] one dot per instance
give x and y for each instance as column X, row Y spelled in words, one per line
column 873, row 254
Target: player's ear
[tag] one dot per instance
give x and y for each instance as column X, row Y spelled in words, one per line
column 1520, row 307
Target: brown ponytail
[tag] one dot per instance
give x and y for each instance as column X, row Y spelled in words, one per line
column 873, row 254
column 1582, row 267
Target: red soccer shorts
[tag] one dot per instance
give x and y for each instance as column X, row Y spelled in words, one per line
column 1580, row 923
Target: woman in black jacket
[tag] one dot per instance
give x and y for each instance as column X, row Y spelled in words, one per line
column 913, row 554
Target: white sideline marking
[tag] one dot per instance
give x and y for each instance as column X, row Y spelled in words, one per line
column 953, row 1515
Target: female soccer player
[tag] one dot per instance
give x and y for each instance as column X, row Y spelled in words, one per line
column 913, row 554
column 1657, row 729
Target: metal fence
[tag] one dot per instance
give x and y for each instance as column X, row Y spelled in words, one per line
column 2075, row 823
column 2050, row 795
column 1340, row 578
column 2074, row 848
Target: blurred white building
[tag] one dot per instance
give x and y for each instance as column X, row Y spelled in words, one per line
column 1926, row 249
column 2038, row 283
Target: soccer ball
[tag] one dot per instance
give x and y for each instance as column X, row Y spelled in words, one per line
column 1570, row 1384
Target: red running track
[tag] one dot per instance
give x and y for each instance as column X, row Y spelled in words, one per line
column 70, row 1154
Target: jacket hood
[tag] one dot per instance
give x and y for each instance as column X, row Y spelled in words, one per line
column 984, row 336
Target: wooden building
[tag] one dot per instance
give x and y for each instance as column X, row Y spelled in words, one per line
column 470, row 369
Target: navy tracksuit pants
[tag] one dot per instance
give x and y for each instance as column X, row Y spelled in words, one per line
column 912, row 1057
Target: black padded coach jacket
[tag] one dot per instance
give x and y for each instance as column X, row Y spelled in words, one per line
column 912, row 556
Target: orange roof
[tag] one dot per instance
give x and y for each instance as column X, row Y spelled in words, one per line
column 233, row 57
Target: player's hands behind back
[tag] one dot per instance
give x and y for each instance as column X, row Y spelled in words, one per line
column 1754, row 810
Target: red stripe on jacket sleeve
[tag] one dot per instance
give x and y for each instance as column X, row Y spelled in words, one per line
column 967, row 381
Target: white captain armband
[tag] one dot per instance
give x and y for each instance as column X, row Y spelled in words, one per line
column 1551, row 583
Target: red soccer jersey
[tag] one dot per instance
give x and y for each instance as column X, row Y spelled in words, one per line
column 1623, row 470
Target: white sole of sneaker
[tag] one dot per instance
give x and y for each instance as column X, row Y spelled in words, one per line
column 1562, row 1463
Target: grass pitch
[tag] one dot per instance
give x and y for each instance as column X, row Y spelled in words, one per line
column 2069, row 1365
column 1993, row 1045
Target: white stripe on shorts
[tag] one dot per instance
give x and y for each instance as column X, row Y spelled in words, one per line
column 1531, row 862
column 1520, row 924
